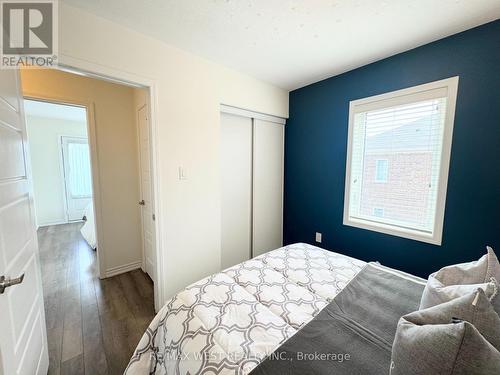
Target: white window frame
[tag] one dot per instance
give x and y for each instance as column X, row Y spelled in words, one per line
column 376, row 170
column 446, row 87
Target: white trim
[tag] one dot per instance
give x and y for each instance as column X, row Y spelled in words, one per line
column 247, row 113
column 113, row 271
column 139, row 163
column 427, row 91
column 102, row 77
column 447, row 87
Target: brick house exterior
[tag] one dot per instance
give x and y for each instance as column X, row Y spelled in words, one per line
column 408, row 175
column 403, row 194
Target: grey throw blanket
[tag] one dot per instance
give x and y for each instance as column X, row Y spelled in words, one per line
column 354, row 333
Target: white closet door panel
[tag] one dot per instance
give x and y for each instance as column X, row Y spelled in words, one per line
column 236, row 173
column 267, row 186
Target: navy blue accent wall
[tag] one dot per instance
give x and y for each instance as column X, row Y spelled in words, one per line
column 316, row 144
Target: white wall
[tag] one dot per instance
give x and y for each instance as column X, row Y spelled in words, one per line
column 188, row 91
column 45, row 152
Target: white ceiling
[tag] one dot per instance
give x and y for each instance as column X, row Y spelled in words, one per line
column 55, row 111
column 291, row 43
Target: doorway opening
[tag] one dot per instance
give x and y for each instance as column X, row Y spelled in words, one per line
column 60, row 166
column 60, row 163
column 106, row 192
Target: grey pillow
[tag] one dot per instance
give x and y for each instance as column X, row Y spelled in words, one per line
column 461, row 336
column 460, row 279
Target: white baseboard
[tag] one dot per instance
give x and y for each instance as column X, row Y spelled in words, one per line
column 113, row 271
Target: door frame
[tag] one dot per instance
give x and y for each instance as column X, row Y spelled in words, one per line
column 63, row 170
column 89, row 69
column 94, row 165
column 116, row 75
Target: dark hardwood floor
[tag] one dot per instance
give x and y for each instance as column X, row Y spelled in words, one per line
column 93, row 325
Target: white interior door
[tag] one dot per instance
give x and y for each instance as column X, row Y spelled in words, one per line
column 236, row 183
column 77, row 175
column 23, row 340
column 267, row 186
column 146, row 202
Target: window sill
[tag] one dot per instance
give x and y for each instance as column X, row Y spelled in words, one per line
column 432, row 238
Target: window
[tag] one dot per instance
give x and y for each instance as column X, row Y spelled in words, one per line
column 381, row 170
column 80, row 181
column 409, row 130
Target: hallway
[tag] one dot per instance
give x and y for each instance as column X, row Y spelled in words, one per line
column 93, row 325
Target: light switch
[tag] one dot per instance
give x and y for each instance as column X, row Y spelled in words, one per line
column 318, row 237
column 182, row 174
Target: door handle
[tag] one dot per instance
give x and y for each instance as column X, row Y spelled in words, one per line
column 142, row 203
column 6, row 282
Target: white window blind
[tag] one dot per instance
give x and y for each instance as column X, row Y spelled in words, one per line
column 401, row 139
column 80, row 181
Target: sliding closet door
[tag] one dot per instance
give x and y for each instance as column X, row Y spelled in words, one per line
column 267, row 186
column 236, row 204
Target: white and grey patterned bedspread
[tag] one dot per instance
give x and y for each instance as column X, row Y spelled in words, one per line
column 228, row 322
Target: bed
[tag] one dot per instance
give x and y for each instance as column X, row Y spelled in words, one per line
column 88, row 228
column 260, row 316
column 229, row 322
